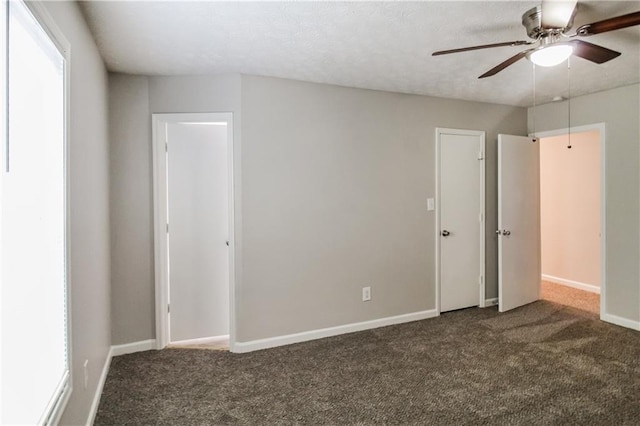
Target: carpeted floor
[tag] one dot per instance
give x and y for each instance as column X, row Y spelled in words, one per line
column 569, row 296
column 214, row 344
column 541, row 364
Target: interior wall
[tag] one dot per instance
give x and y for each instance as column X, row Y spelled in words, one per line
column 570, row 207
column 88, row 165
column 333, row 186
column 132, row 100
column 619, row 109
column 131, row 204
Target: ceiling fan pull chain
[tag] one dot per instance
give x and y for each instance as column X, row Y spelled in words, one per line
column 569, row 99
column 534, row 101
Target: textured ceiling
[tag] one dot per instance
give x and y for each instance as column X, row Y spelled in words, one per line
column 374, row 45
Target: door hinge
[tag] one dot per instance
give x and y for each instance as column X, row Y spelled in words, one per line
column 168, row 308
column 480, row 155
column 480, row 217
column 167, row 228
column 166, row 147
column 480, row 280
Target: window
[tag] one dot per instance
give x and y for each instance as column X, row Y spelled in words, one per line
column 34, row 340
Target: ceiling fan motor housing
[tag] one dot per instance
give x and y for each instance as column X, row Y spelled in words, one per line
column 532, row 21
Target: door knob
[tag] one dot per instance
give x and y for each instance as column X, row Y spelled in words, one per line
column 499, row 232
column 505, row 232
column 227, row 243
column 445, row 233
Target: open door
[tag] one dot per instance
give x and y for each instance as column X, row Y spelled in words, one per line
column 518, row 221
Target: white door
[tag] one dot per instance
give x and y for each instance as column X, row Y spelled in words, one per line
column 198, row 231
column 461, row 218
column 518, row 221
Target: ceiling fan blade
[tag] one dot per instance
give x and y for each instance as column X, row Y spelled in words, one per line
column 593, row 52
column 483, row 46
column 558, row 13
column 611, row 24
column 495, row 70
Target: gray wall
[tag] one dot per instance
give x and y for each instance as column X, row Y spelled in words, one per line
column 89, row 209
column 132, row 99
column 332, row 191
column 619, row 109
column 335, row 183
column 131, row 198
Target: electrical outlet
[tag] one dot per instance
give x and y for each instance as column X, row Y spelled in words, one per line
column 86, row 373
column 366, row 294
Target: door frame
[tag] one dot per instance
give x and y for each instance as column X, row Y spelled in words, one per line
column 482, row 219
column 159, row 148
column 601, row 127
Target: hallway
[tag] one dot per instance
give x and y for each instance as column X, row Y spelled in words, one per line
column 569, row 296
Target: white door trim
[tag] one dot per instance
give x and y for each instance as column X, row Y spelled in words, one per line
column 601, row 127
column 439, row 132
column 159, row 125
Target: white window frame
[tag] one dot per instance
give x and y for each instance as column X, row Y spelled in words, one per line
column 39, row 12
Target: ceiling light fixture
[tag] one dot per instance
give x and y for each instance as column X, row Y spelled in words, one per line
column 549, row 56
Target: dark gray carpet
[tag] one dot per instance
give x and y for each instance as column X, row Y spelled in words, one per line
column 540, row 364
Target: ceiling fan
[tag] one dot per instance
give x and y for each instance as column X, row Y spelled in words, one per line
column 548, row 26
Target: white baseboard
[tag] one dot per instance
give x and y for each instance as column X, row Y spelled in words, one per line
column 490, row 302
column 201, row 341
column 623, row 322
column 272, row 342
column 115, row 350
column 96, row 398
column 569, row 283
column 129, row 348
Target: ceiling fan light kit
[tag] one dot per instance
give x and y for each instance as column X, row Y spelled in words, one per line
column 548, row 26
column 549, row 56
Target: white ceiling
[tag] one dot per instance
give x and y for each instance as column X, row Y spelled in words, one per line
column 374, row 45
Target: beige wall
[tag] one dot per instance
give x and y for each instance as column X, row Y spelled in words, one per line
column 331, row 189
column 89, row 209
column 570, row 207
column 619, row 109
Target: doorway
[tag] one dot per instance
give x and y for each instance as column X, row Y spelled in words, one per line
column 460, row 198
column 194, row 241
column 572, row 217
